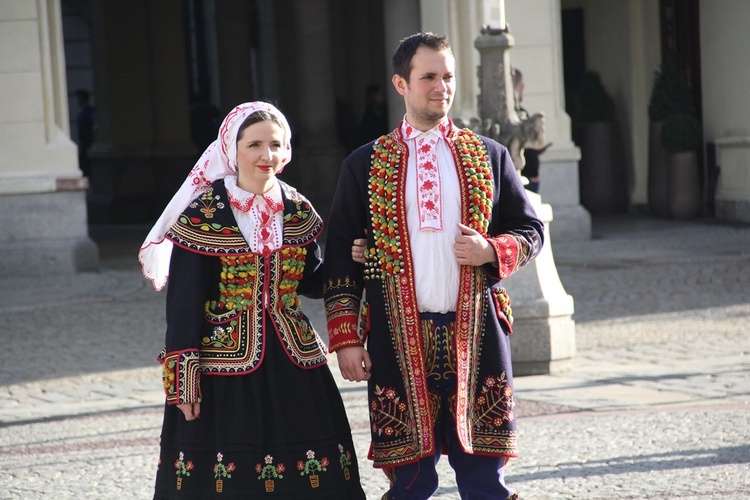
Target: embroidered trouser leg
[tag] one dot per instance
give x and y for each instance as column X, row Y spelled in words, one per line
column 478, row 477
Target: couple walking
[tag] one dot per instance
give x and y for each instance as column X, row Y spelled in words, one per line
column 425, row 223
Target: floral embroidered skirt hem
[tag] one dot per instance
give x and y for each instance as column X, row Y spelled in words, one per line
column 280, row 431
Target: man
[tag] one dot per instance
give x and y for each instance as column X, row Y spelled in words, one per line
column 531, row 152
column 85, row 124
column 446, row 218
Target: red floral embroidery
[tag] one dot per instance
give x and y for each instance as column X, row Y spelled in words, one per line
column 429, row 190
column 494, row 404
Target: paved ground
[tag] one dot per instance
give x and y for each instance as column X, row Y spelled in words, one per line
column 656, row 405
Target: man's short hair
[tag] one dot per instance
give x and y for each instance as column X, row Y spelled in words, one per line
column 401, row 60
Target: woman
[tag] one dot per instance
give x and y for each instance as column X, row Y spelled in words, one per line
column 252, row 407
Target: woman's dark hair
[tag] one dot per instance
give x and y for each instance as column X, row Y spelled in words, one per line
column 257, row 117
column 401, row 60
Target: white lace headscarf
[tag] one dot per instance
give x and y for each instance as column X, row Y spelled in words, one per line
column 218, row 161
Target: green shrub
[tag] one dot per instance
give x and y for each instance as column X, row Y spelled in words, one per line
column 670, row 94
column 595, row 103
column 681, row 132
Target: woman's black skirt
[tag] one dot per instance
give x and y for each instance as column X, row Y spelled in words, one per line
column 278, row 432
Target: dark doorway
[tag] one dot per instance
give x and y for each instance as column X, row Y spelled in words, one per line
column 574, row 54
column 680, row 47
column 680, row 43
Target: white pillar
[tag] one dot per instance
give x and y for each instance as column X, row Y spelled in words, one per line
column 536, row 27
column 42, row 194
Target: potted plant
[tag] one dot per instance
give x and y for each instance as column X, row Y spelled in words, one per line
column 669, row 94
column 602, row 180
column 681, row 136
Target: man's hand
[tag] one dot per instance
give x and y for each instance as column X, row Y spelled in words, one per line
column 472, row 249
column 354, row 363
column 191, row 410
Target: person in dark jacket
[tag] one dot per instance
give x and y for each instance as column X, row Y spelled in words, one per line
column 446, row 219
column 85, row 126
column 251, row 406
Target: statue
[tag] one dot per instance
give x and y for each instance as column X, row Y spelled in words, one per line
column 500, row 118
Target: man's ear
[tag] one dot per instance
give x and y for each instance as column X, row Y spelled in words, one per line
column 399, row 83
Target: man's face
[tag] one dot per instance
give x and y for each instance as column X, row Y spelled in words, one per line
column 428, row 94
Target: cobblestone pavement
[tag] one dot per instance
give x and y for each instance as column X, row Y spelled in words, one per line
column 656, row 404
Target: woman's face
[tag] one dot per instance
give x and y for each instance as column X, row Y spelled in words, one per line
column 260, row 151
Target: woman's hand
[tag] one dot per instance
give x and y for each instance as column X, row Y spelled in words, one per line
column 354, row 363
column 358, row 250
column 192, row 411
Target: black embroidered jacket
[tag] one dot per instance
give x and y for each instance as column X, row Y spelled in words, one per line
column 223, row 300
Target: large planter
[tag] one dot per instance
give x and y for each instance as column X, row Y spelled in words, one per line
column 658, row 172
column 602, row 180
column 684, row 185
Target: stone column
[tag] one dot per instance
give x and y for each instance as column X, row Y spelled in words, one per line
column 43, row 229
column 496, row 85
column 537, row 27
column 317, row 157
column 402, row 18
column 545, row 341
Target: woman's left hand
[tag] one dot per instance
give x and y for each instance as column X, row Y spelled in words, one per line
column 192, row 411
column 358, row 250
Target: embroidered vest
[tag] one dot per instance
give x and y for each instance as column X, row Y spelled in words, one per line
column 257, row 295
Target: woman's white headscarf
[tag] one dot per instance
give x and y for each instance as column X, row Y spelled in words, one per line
column 218, row 161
